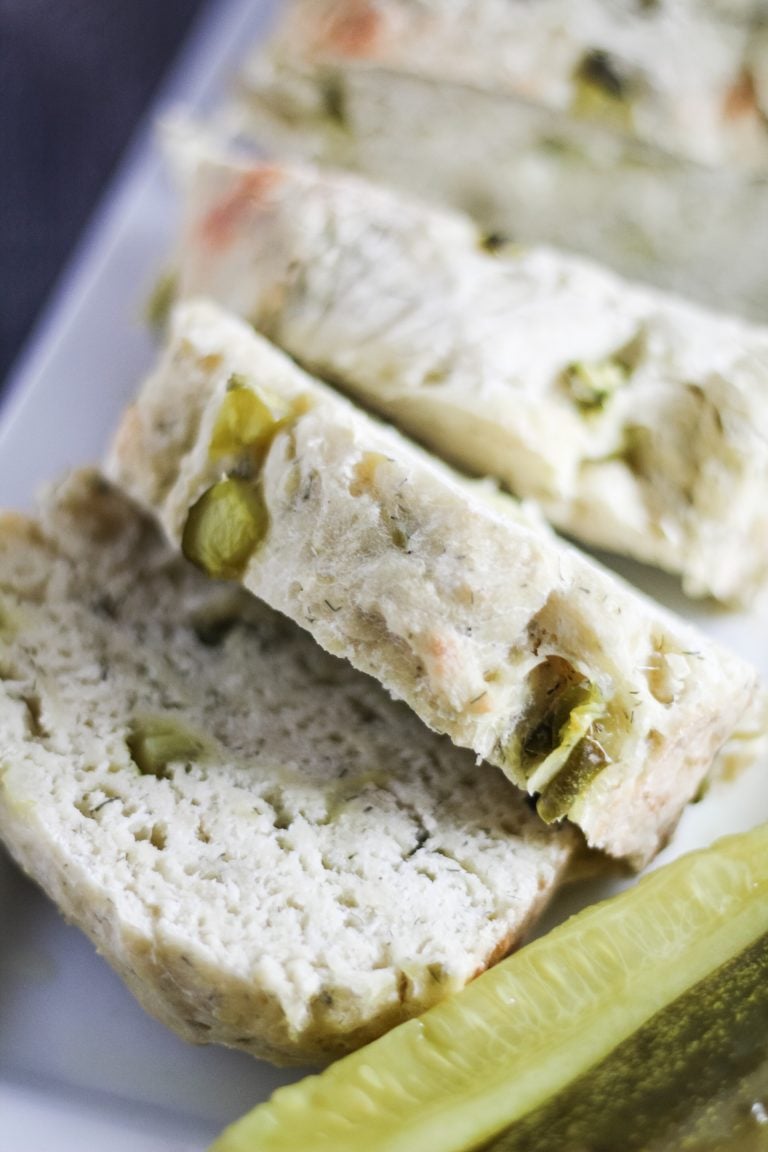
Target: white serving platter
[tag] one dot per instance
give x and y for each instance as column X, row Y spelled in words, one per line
column 82, row 1068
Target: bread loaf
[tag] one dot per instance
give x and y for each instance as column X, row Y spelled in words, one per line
column 270, row 852
column 592, row 698
column 633, row 133
column 638, row 422
column 682, row 75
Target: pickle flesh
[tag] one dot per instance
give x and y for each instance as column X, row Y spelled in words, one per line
column 154, row 742
column 547, row 1021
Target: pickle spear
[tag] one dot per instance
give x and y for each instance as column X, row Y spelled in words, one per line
column 640, row 1024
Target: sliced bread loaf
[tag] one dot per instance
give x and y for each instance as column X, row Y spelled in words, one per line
column 684, row 75
column 455, row 122
column 586, row 694
column 639, row 423
column 270, row 852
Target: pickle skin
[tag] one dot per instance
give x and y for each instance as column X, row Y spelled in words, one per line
column 585, row 762
column 694, row 1077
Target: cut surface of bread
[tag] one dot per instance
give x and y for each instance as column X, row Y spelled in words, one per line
column 592, row 698
column 272, row 853
column 639, row 423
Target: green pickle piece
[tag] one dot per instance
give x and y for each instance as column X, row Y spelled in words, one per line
column 585, row 762
column 157, row 741
column 603, row 90
column 639, row 1024
column 591, row 386
column 161, row 301
column 224, row 528
column 246, row 421
column 555, row 690
column 555, row 746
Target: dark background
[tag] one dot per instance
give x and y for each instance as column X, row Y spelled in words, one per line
column 75, row 76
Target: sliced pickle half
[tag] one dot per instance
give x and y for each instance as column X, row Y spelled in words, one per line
column 598, row 1017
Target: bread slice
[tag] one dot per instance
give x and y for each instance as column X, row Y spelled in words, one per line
column 584, row 693
column 674, row 75
column 456, row 123
column 270, row 852
column 638, row 422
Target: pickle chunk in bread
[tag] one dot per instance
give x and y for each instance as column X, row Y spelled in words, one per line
column 454, row 596
column 270, row 852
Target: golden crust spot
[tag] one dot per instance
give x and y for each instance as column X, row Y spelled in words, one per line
column 219, row 226
column 353, row 29
column 741, row 98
